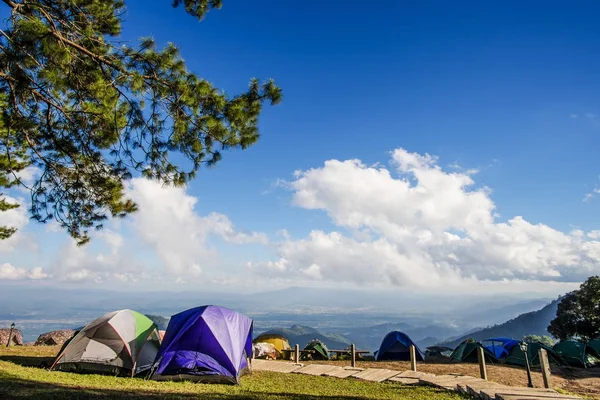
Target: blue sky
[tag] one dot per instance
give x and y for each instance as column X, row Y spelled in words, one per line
column 465, row 81
column 509, row 89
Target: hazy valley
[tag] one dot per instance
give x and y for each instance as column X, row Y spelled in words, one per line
column 336, row 316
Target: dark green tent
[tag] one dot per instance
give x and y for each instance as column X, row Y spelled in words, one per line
column 441, row 352
column 517, row 357
column 319, row 351
column 577, row 354
column 467, row 352
column 348, row 355
column 595, row 344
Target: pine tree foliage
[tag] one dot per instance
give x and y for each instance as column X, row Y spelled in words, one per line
column 91, row 112
column 544, row 339
column 10, row 163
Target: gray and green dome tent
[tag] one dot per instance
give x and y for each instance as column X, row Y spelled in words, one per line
column 577, row 354
column 122, row 342
column 517, row 357
column 319, row 351
column 467, row 352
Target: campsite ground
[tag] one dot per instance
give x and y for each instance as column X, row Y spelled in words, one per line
column 574, row 380
column 20, row 378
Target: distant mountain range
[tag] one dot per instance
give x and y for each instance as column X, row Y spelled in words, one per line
column 370, row 337
column 301, row 335
column 531, row 323
column 361, row 316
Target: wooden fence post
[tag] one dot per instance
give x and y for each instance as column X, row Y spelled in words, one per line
column 413, row 358
column 353, row 355
column 297, row 354
column 543, row 355
column 481, row 358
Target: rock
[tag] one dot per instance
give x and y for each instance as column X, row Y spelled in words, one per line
column 55, row 338
column 17, row 337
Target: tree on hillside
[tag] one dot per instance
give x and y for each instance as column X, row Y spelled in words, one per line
column 90, row 112
column 547, row 340
column 578, row 313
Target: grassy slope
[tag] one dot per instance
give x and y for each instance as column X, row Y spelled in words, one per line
column 17, row 381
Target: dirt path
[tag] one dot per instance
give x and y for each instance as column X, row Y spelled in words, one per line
column 574, row 380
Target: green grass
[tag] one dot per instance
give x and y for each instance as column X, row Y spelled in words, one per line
column 22, row 382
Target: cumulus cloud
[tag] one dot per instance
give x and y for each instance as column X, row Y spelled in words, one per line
column 167, row 221
column 167, row 228
column 28, row 175
column 106, row 261
column 16, row 218
column 416, row 224
column 11, row 273
column 166, row 237
column 410, row 223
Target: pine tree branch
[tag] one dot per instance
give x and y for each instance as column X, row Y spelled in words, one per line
column 11, row 4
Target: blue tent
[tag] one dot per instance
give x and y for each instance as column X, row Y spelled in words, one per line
column 395, row 346
column 207, row 343
column 501, row 346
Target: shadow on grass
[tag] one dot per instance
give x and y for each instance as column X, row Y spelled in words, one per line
column 28, row 361
column 12, row 387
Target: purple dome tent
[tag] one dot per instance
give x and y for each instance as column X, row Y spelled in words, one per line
column 207, row 344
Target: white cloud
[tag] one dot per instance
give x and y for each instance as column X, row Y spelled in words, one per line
column 591, row 195
column 167, row 221
column 412, row 224
column 28, row 175
column 425, row 227
column 594, row 234
column 79, row 275
column 11, row 273
column 357, row 196
column 109, row 258
column 16, row 218
column 222, row 226
column 37, row 273
column 166, row 225
column 113, row 240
